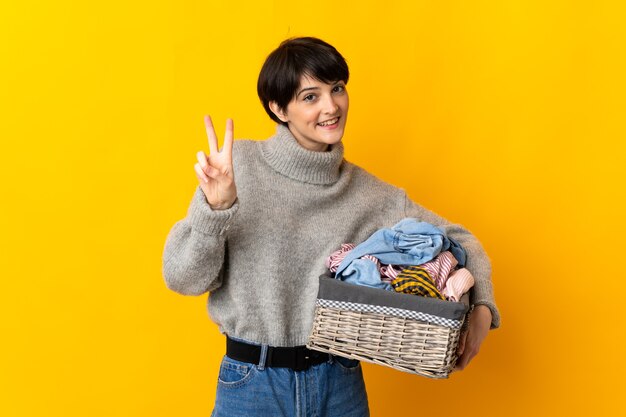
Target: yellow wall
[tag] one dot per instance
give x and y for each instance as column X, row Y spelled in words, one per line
column 518, row 106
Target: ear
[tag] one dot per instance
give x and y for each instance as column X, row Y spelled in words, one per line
column 282, row 116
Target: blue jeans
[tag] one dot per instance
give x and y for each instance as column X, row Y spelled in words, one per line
column 331, row 389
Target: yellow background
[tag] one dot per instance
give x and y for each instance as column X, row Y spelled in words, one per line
column 517, row 108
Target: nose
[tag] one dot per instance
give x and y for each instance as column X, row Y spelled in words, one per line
column 330, row 105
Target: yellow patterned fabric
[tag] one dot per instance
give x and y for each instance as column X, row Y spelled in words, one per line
column 415, row 280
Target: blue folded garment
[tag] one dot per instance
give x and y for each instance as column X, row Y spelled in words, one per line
column 407, row 243
column 364, row 272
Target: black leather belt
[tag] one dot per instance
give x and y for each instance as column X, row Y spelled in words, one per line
column 298, row 358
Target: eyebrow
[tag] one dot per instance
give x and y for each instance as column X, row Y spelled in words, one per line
column 307, row 89
column 315, row 88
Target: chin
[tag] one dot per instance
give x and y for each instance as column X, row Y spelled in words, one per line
column 332, row 133
column 331, row 140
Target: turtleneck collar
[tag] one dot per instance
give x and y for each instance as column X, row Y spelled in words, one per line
column 283, row 153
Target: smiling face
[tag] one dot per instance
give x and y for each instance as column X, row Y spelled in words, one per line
column 317, row 115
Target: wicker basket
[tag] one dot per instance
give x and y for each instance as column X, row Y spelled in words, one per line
column 409, row 333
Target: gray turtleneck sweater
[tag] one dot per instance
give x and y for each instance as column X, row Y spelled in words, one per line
column 261, row 259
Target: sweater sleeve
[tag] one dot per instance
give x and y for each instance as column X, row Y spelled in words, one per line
column 477, row 262
column 195, row 248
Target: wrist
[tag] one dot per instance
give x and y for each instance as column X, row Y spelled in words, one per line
column 222, row 206
column 482, row 309
column 219, row 207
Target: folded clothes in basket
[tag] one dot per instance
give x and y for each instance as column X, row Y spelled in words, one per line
column 388, row 258
column 409, row 242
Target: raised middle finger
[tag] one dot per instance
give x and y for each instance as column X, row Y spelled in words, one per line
column 228, row 138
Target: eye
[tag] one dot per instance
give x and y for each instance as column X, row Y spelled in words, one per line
column 309, row 97
column 339, row 88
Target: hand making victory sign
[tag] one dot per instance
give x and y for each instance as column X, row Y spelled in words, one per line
column 215, row 172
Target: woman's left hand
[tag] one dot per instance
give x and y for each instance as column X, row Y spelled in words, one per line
column 472, row 338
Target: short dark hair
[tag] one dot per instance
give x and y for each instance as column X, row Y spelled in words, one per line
column 280, row 75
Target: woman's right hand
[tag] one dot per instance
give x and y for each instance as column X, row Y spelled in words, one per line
column 215, row 172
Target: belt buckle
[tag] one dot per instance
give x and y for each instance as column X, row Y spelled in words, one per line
column 303, row 359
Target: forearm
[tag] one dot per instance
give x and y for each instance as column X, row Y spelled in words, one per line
column 195, row 248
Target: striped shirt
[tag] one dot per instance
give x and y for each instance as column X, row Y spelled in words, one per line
column 459, row 282
column 387, row 272
column 439, row 268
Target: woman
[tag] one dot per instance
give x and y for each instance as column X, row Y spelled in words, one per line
column 262, row 222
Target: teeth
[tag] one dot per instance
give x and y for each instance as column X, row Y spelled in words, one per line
column 329, row 122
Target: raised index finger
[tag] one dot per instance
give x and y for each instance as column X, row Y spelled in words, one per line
column 210, row 131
